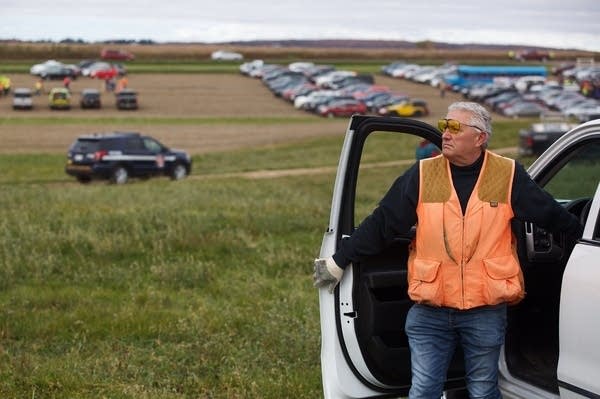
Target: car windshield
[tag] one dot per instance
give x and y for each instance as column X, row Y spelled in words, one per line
column 126, row 95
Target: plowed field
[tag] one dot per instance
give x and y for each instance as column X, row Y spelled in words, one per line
column 227, row 107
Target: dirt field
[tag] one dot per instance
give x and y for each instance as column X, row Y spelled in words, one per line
column 184, row 96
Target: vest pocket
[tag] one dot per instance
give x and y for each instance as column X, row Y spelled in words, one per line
column 504, row 280
column 424, row 284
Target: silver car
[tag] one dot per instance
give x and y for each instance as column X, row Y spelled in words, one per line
column 22, row 98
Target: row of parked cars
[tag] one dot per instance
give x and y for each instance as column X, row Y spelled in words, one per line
column 60, row 98
column 535, row 100
column 426, row 74
column 326, row 91
column 96, row 69
column 570, row 93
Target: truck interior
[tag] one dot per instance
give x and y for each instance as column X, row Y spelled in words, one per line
column 532, row 340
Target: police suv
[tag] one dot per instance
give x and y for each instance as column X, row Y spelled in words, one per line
column 120, row 155
column 552, row 347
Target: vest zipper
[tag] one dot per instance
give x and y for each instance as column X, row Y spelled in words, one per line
column 462, row 263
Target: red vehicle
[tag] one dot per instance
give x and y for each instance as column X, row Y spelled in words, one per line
column 117, row 55
column 533, row 55
column 109, row 72
column 342, row 108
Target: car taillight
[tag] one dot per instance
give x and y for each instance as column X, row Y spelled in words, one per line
column 529, row 142
column 98, row 155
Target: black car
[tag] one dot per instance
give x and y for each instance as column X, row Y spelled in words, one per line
column 126, row 99
column 90, row 98
column 539, row 136
column 120, row 155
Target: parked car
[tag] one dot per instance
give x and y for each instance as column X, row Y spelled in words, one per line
column 385, row 100
column 120, row 155
column 540, row 135
column 90, row 98
column 54, row 70
column 89, row 69
column 584, row 112
column 552, row 346
column 523, row 109
column 249, row 66
column 5, row 84
column 59, row 98
column 342, row 108
column 126, row 99
column 116, row 55
column 221, row 55
column 414, row 107
column 22, row 98
column 104, row 71
column 532, row 55
column 319, row 101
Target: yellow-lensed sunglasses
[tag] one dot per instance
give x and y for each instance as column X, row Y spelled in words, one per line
column 454, row 126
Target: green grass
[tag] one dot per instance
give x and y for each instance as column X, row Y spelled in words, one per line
column 65, row 120
column 158, row 289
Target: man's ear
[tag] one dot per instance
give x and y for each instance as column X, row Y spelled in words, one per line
column 482, row 139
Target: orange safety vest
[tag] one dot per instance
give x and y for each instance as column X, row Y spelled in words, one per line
column 465, row 261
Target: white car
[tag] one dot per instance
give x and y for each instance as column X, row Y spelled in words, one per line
column 51, row 66
column 221, row 55
column 249, row 66
column 38, row 69
column 22, row 98
column 584, row 111
column 324, row 80
column 301, row 102
column 552, row 347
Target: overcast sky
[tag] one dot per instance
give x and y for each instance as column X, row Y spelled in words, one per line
column 568, row 24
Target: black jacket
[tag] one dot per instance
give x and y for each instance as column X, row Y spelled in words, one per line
column 396, row 213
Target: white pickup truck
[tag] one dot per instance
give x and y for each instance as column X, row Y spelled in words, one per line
column 552, row 347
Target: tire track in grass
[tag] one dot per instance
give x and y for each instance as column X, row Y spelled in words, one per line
column 276, row 173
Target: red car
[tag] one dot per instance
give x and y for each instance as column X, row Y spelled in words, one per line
column 342, row 108
column 105, row 73
column 117, row 55
column 533, row 55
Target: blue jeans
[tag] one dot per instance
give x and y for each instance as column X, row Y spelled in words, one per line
column 433, row 334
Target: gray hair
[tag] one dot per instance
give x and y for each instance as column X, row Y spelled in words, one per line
column 480, row 116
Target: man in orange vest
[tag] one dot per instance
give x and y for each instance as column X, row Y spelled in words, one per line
column 461, row 279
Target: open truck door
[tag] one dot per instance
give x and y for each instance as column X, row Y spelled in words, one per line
column 364, row 349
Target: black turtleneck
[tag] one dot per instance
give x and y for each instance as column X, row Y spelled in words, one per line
column 464, row 179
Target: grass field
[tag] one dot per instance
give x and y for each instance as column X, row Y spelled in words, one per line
column 160, row 289
column 194, row 289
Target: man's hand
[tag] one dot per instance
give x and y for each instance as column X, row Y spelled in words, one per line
column 327, row 273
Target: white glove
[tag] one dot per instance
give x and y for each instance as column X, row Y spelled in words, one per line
column 327, row 273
